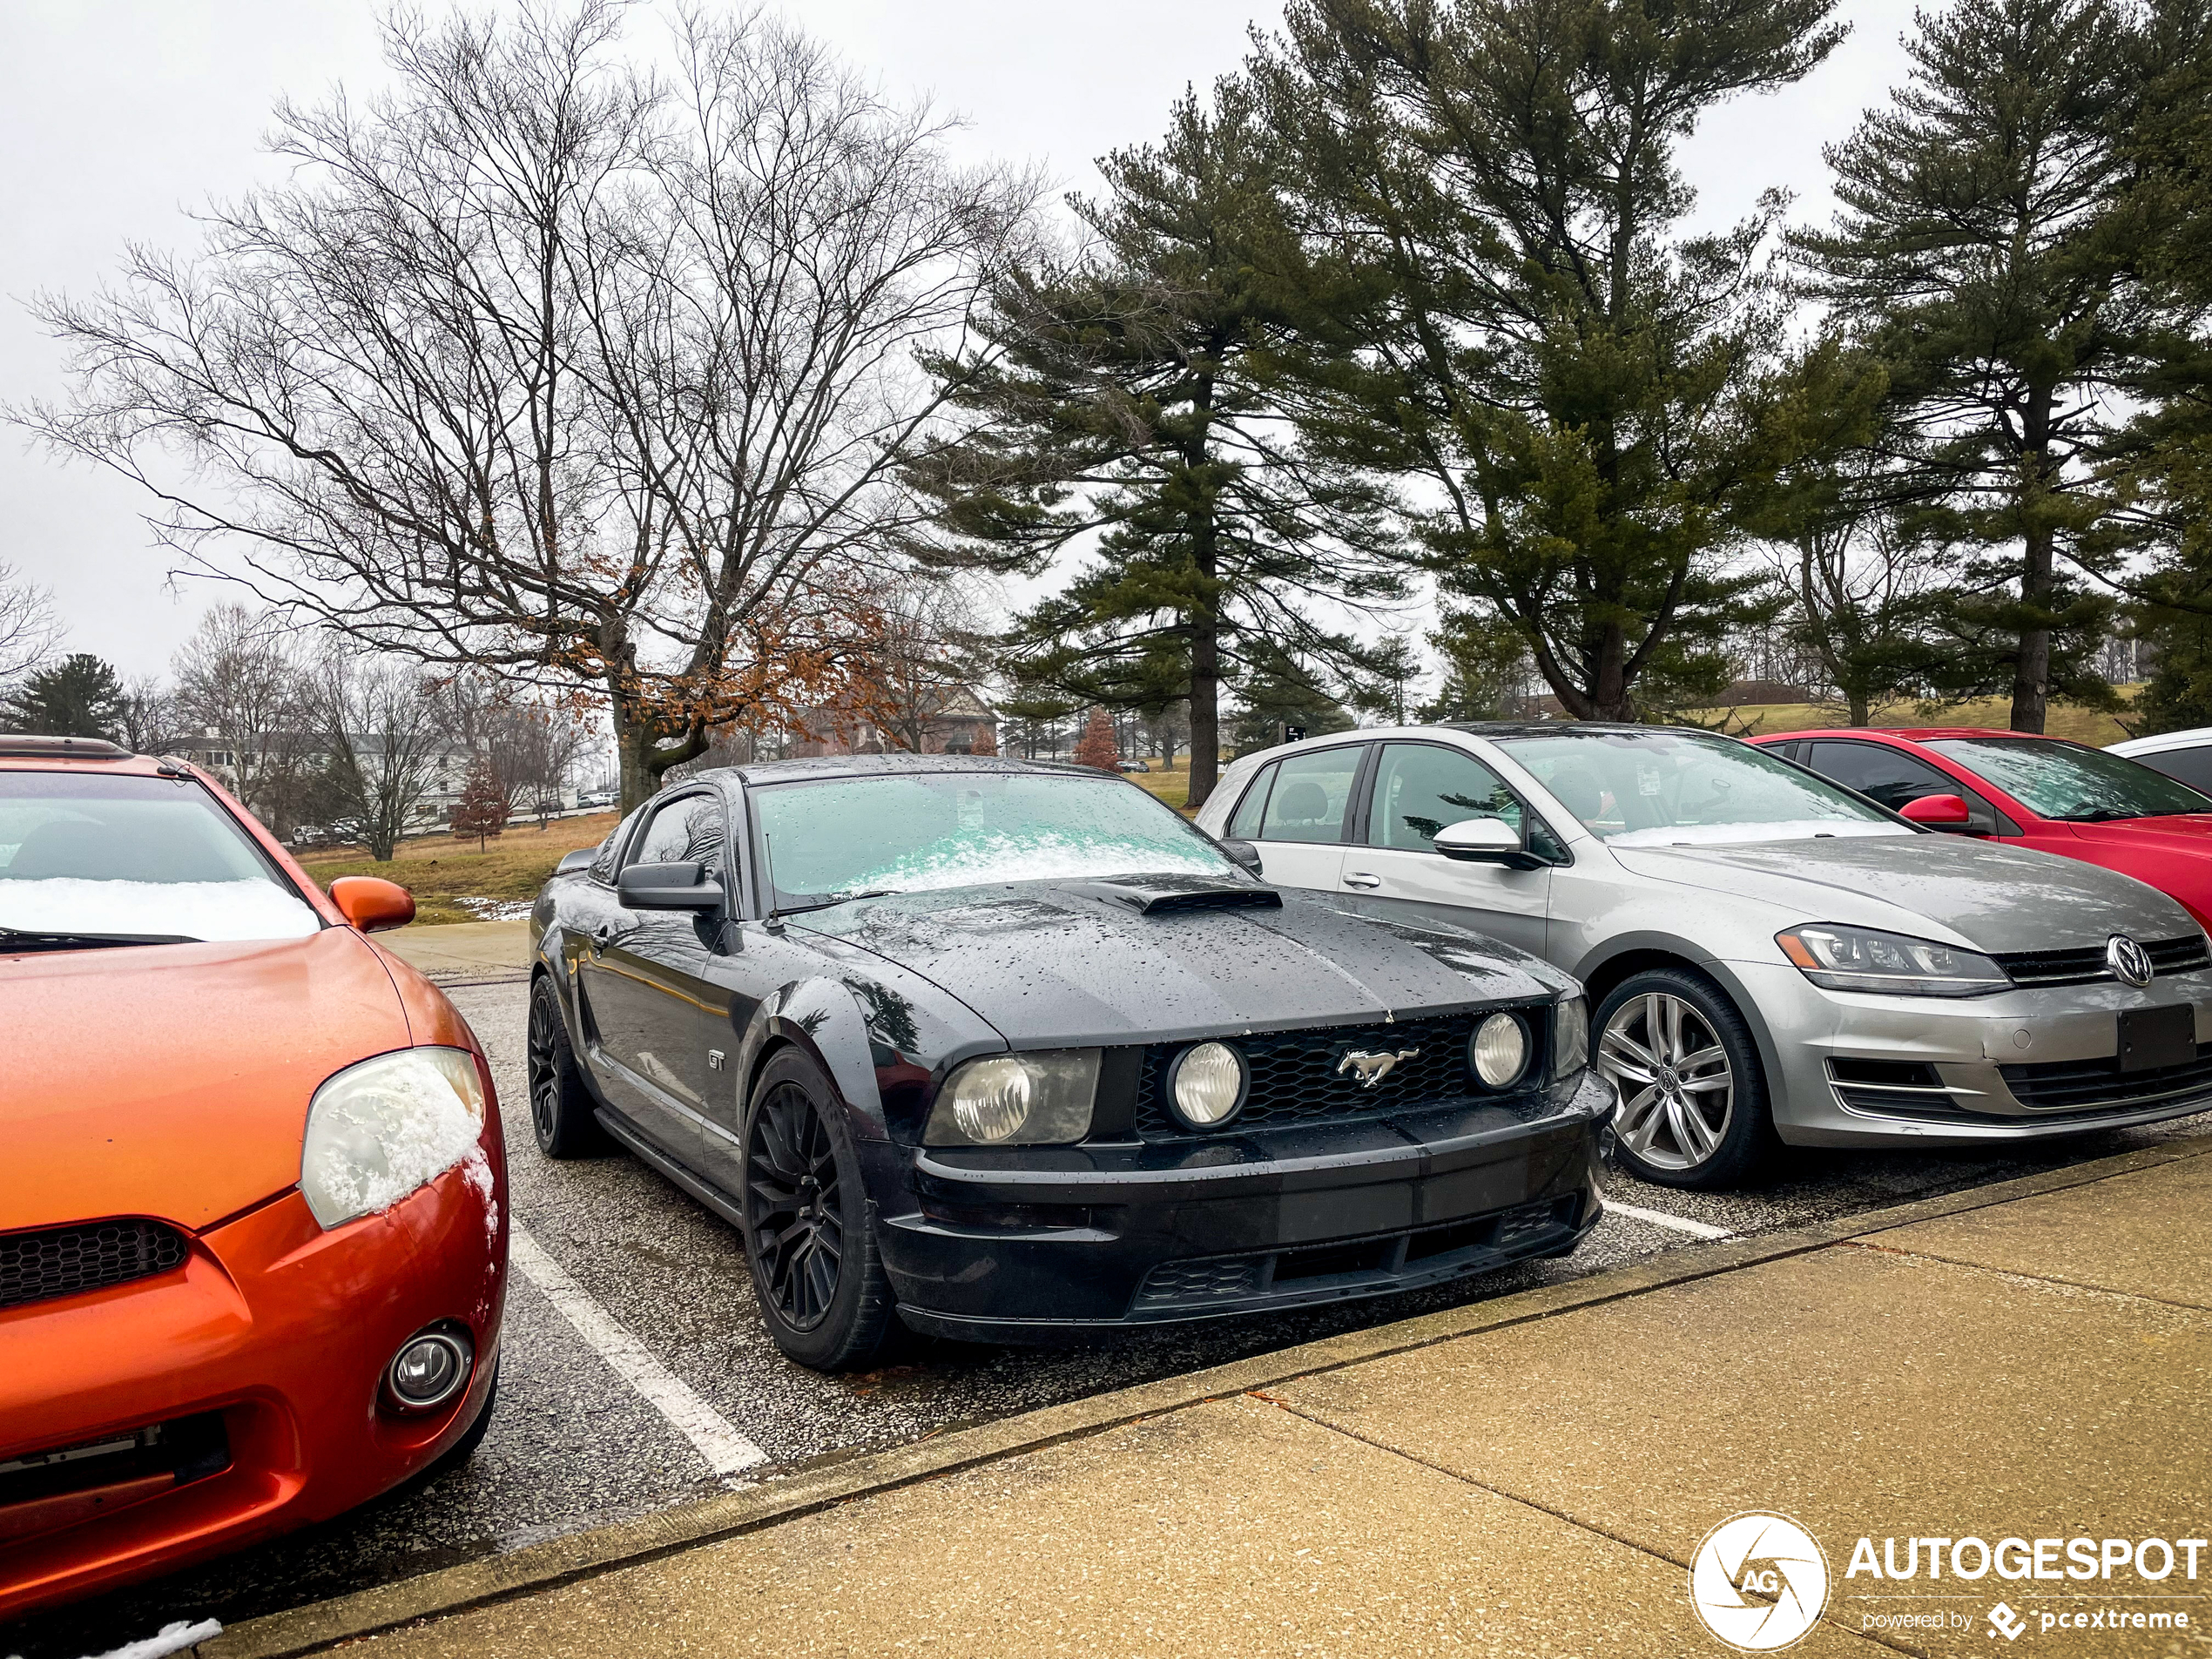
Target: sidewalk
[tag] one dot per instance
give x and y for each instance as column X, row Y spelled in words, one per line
column 1524, row 1476
column 463, row 950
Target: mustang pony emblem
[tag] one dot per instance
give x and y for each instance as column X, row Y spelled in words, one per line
column 1371, row 1069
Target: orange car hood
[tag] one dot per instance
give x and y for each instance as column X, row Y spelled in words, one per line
column 173, row 1080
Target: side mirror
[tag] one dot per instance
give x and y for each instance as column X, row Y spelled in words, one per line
column 1480, row 840
column 582, row 859
column 1938, row 812
column 1243, row 853
column 371, row 903
column 668, row 886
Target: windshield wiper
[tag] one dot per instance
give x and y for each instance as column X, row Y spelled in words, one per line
column 829, row 902
column 12, row 939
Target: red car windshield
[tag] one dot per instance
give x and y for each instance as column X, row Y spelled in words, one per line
column 2066, row 781
column 103, row 858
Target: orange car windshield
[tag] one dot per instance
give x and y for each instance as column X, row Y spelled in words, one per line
column 89, row 858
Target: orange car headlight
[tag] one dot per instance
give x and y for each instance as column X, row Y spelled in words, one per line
column 378, row 1130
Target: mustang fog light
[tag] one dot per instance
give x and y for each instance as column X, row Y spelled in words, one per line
column 1498, row 1049
column 1207, row 1085
column 1038, row 1099
column 429, row 1369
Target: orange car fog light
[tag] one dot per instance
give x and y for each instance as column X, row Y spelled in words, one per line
column 430, row 1368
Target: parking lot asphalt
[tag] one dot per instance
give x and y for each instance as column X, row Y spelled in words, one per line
column 636, row 1375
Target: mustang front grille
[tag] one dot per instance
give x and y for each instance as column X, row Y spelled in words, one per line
column 1297, row 1079
column 2087, row 966
column 2073, row 1085
column 63, row 1261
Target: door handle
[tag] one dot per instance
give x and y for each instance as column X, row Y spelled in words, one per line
column 1361, row 878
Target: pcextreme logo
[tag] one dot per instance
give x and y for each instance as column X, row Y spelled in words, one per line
column 1759, row 1581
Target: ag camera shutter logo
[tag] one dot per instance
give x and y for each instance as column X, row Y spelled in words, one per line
column 1759, row 1583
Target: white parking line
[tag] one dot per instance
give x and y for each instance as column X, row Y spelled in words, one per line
column 1659, row 1218
column 725, row 1451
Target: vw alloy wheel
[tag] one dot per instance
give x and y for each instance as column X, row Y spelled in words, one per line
column 1677, row 1088
column 793, row 1208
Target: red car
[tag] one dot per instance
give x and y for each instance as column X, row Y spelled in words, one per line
column 254, row 1212
column 2049, row 793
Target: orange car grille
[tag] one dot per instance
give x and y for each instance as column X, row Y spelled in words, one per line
column 62, row 1261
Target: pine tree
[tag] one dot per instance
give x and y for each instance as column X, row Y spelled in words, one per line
column 1135, row 415
column 1516, row 319
column 79, row 697
column 482, row 810
column 1977, row 256
column 1097, row 745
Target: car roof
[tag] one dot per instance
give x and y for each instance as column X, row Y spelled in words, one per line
column 815, row 767
column 2195, row 737
column 30, row 752
column 1909, row 733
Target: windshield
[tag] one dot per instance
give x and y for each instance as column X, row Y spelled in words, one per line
column 2060, row 779
column 902, row 832
column 87, row 858
column 1665, row 788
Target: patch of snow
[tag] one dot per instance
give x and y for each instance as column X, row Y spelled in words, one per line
column 497, row 909
column 210, row 910
column 171, row 1638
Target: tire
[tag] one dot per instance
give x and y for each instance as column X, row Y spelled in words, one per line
column 1693, row 1109
column 809, row 1236
column 561, row 1102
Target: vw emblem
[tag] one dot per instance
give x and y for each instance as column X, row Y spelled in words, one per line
column 2129, row 961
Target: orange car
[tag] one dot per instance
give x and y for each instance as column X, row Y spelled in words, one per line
column 253, row 1194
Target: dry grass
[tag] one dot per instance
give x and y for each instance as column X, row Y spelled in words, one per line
column 441, row 872
column 2083, row 725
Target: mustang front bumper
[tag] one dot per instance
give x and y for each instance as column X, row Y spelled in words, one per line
column 1021, row 1244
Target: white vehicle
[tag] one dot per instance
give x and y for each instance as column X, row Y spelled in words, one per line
column 2184, row 756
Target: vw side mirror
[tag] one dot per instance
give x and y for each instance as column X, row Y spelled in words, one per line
column 1244, row 854
column 668, row 886
column 1938, row 812
column 1480, row 840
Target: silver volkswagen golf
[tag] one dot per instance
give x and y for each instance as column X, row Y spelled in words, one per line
column 1770, row 957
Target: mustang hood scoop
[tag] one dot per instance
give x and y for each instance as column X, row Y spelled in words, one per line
column 1152, row 895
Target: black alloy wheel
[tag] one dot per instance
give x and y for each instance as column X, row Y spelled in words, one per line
column 561, row 1103
column 820, row 1281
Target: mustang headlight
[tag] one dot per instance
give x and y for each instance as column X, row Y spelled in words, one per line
column 1040, row 1099
column 1865, row 959
column 1570, row 1037
column 378, row 1130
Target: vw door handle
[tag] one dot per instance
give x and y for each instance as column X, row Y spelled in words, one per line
column 1361, row 878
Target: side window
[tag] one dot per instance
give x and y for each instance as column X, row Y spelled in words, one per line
column 1887, row 775
column 603, row 866
column 684, row 830
column 1244, row 823
column 1420, row 787
column 2190, row 766
column 1312, row 792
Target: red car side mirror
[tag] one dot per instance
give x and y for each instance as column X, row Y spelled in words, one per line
column 1938, row 812
column 371, row 903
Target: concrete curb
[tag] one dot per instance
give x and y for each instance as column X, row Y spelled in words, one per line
column 587, row 1554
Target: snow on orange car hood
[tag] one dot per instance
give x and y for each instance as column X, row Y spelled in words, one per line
column 173, row 1080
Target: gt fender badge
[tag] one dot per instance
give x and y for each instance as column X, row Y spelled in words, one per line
column 1371, row 1069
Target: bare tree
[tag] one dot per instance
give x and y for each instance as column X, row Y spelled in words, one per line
column 28, row 628
column 242, row 691
column 378, row 731
column 148, row 717
column 542, row 363
column 929, row 644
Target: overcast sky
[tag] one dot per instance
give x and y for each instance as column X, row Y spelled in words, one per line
column 118, row 117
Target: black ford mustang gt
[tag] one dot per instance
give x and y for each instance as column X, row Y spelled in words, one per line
column 1011, row 1049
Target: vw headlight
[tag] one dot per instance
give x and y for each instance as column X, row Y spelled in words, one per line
column 1040, row 1099
column 378, row 1130
column 1838, row 958
column 1570, row 1037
